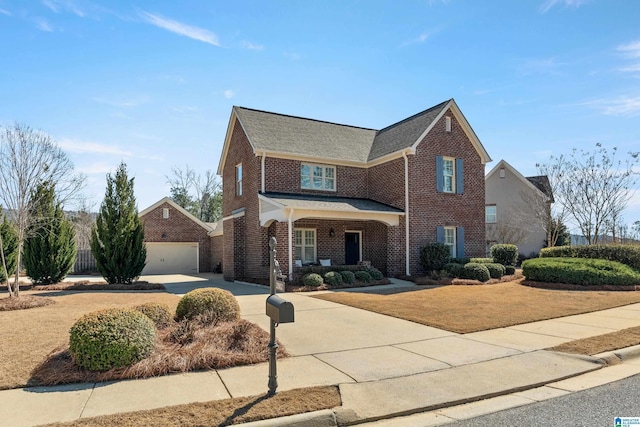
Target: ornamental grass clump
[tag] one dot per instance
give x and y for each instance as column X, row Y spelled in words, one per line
column 209, row 305
column 111, row 338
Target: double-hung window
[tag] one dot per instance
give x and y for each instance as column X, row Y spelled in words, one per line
column 449, row 175
column 317, row 177
column 453, row 237
column 490, row 214
column 450, row 240
column 305, row 244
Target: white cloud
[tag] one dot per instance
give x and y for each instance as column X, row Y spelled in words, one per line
column 423, row 37
column 229, row 94
column 632, row 52
column 549, row 4
column 621, row 106
column 251, row 46
column 66, row 5
column 541, row 66
column 96, row 168
column 5, row 12
column 76, row 146
column 186, row 30
column 43, row 25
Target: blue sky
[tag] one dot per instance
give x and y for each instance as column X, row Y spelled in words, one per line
column 153, row 82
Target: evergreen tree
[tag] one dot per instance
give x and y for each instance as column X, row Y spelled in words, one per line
column 117, row 240
column 8, row 248
column 50, row 250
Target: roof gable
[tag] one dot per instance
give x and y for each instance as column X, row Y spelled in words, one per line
column 534, row 182
column 180, row 209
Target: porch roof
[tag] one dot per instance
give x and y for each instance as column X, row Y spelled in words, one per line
column 284, row 206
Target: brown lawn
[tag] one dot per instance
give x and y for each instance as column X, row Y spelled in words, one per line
column 222, row 412
column 601, row 343
column 466, row 309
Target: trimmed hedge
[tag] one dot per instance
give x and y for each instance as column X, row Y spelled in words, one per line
column 461, row 260
column 159, row 313
column 333, row 278
column 454, row 269
column 348, row 277
column 375, row 274
column 213, row 303
column 475, row 271
column 363, row 276
column 481, row 260
column 580, row 271
column 433, row 256
column 111, row 338
column 625, row 254
column 504, row 254
column 509, row 270
column 312, row 279
column 496, row 271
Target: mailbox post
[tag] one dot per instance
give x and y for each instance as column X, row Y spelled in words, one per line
column 279, row 311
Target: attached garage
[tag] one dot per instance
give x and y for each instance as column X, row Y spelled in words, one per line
column 172, row 258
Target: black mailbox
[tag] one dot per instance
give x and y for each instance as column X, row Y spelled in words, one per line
column 279, row 309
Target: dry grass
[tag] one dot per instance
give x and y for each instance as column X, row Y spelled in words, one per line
column 466, row 309
column 222, row 412
column 601, row 343
column 29, row 336
column 24, row 302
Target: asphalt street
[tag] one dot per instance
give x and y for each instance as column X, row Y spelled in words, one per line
column 596, row 407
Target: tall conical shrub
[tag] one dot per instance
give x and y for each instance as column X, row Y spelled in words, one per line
column 8, row 247
column 50, row 248
column 117, row 240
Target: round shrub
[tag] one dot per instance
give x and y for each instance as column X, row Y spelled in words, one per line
column 333, row 278
column 496, row 271
column 454, row 269
column 504, row 254
column 312, row 279
column 580, row 271
column 434, row 256
column 111, row 338
column 480, row 260
column 375, row 274
column 160, row 314
column 626, row 254
column 509, row 270
column 348, row 277
column 214, row 304
column 475, row 271
column 363, row 276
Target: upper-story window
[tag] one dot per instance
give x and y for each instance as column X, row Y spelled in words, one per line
column 239, row 179
column 449, row 175
column 490, row 214
column 318, row 177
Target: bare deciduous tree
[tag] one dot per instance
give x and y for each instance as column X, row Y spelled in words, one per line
column 593, row 187
column 201, row 195
column 29, row 157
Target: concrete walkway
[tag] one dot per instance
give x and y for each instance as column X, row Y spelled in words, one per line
column 386, row 367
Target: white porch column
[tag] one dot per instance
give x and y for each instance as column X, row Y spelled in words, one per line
column 290, row 238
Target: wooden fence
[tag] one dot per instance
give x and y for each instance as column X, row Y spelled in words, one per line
column 85, row 262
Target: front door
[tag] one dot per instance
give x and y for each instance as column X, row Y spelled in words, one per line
column 351, row 247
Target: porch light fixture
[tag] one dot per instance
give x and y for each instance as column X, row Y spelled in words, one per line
column 331, row 232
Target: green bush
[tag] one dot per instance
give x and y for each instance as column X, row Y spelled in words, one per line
column 111, row 338
column 434, row 256
column 375, row 274
column 333, row 278
column 509, row 270
column 481, row 260
column 348, row 277
column 312, row 279
column 625, row 254
column 160, row 314
column 454, row 269
column 214, row 304
column 504, row 254
column 363, row 276
column 475, row 271
column 580, row 271
column 496, row 271
column 460, row 260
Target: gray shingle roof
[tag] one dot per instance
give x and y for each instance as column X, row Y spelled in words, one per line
column 343, row 204
column 315, row 138
column 542, row 183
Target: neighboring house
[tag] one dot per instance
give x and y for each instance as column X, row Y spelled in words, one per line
column 515, row 208
column 178, row 242
column 347, row 194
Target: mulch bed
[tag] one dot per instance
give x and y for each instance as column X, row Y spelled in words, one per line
column 571, row 287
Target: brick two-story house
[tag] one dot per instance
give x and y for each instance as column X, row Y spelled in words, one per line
column 349, row 194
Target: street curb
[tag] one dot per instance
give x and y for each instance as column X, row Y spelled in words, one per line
column 618, row 356
column 322, row 418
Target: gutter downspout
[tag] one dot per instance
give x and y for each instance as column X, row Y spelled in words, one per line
column 406, row 211
column 290, row 239
column 262, row 177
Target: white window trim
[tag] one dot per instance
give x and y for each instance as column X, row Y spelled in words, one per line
column 453, row 175
column 495, row 214
column 447, row 125
column 165, row 213
column 239, row 179
column 454, row 249
column 315, row 243
column 311, row 166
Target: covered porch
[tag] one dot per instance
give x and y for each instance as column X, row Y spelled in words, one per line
column 315, row 229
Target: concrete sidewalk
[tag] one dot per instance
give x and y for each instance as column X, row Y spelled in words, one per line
column 386, row 367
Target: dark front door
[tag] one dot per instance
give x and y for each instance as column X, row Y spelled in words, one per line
column 351, row 248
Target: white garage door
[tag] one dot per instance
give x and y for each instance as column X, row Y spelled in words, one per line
column 171, row 258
